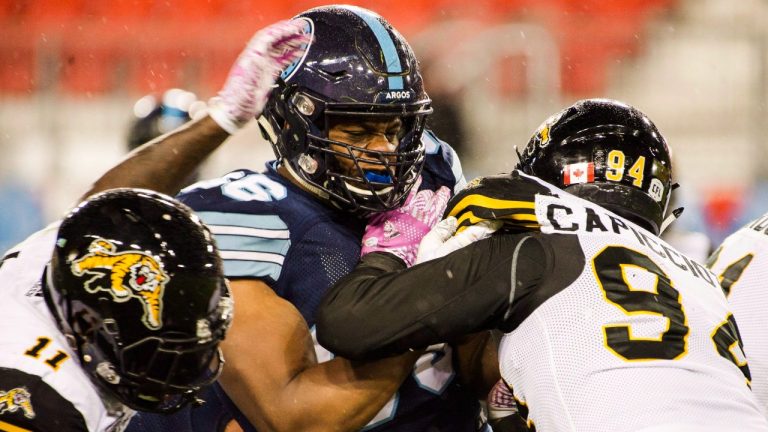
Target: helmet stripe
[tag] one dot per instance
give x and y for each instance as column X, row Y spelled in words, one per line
column 387, row 45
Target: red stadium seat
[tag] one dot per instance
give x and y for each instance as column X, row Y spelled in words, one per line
column 18, row 69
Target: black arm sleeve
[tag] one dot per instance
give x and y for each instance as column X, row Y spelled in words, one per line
column 42, row 409
column 379, row 309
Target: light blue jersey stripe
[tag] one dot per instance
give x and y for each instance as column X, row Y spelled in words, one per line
column 267, row 222
column 252, row 244
column 387, row 46
column 234, row 269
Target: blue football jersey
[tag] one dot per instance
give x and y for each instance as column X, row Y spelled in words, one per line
column 267, row 228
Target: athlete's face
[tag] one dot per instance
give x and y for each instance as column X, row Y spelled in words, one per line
column 379, row 135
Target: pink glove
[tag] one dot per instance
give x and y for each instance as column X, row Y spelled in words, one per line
column 253, row 75
column 400, row 231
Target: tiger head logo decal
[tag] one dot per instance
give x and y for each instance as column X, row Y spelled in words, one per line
column 543, row 135
column 129, row 274
column 17, row 399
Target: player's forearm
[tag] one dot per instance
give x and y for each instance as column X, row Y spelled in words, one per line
column 476, row 357
column 337, row 395
column 166, row 162
column 345, row 395
column 377, row 310
column 273, row 376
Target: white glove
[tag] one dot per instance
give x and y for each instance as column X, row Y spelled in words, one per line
column 253, row 75
column 440, row 241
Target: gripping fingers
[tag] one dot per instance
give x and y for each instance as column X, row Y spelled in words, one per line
column 288, row 42
column 253, row 75
column 434, row 239
column 476, row 232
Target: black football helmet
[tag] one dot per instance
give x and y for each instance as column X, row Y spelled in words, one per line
column 606, row 152
column 358, row 66
column 137, row 287
column 154, row 116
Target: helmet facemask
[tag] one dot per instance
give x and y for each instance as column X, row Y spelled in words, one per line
column 359, row 67
column 161, row 373
column 352, row 177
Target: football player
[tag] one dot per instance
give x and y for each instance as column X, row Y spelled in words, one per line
column 607, row 327
column 347, row 126
column 120, row 306
column 741, row 264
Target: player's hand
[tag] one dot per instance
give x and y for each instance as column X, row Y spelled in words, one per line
column 503, row 414
column 400, row 231
column 441, row 241
column 253, row 75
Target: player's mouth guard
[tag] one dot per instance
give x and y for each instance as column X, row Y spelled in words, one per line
column 373, row 176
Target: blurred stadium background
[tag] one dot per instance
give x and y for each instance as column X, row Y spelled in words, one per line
column 71, row 71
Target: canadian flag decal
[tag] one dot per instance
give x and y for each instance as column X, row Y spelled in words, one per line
column 583, row 172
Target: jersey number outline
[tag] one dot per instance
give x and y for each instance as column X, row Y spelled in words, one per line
column 239, row 186
column 732, row 272
column 55, row 361
column 615, row 269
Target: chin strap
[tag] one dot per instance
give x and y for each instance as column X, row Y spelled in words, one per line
column 303, row 183
column 671, row 218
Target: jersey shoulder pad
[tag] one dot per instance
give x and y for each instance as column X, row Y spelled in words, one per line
column 443, row 161
column 29, row 403
column 510, row 198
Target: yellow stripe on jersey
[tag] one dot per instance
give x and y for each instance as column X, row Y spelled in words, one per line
column 7, row 427
column 469, row 218
column 510, row 198
column 477, row 200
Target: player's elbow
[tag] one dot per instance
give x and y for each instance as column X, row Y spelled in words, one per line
column 343, row 334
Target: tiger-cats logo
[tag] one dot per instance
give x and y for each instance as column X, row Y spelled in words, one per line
column 132, row 274
column 17, row 399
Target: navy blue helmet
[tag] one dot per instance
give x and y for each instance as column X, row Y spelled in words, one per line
column 608, row 153
column 357, row 66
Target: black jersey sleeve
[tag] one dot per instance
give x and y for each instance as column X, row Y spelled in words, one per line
column 29, row 403
column 382, row 309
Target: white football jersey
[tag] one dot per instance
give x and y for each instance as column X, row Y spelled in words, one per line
column 741, row 264
column 637, row 340
column 41, row 381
